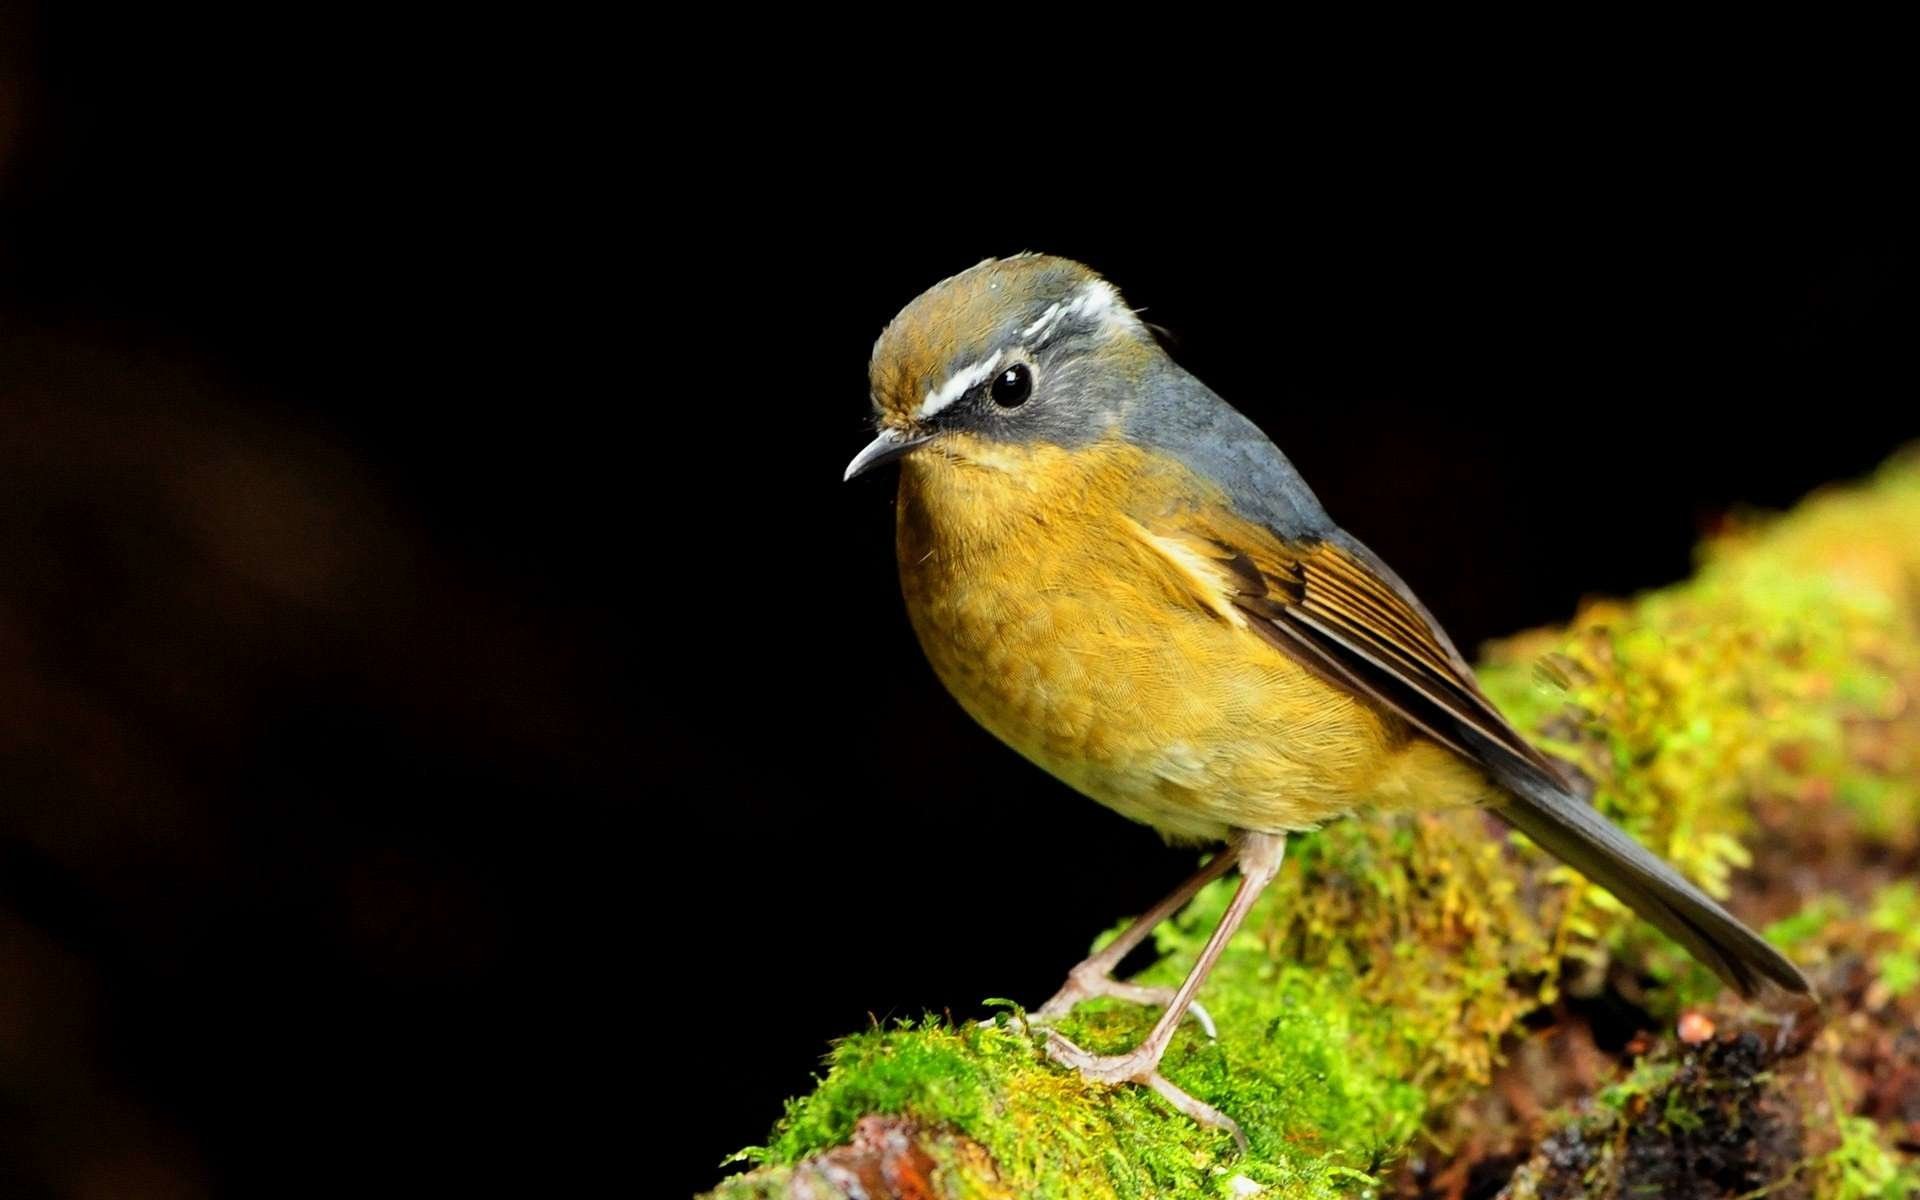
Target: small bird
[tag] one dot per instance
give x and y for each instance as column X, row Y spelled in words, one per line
column 1123, row 579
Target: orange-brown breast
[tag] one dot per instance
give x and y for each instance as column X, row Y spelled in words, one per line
column 1060, row 616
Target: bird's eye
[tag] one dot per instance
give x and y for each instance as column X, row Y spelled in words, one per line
column 1013, row 387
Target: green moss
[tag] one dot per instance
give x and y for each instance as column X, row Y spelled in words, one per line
column 1809, row 925
column 1798, row 1112
column 1896, row 912
column 1863, row 1167
column 1890, row 938
column 1376, row 984
column 1050, row 1135
column 1781, row 670
column 1862, row 1162
column 1339, row 1030
column 1648, row 1078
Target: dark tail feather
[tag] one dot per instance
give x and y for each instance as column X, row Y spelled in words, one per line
column 1571, row 830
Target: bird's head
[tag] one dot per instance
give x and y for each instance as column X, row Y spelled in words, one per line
column 1011, row 352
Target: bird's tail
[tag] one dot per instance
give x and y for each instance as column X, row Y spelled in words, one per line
column 1570, row 829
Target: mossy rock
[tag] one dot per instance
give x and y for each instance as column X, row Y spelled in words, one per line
column 1758, row 725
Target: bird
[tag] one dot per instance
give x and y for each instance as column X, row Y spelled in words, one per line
column 1121, row 577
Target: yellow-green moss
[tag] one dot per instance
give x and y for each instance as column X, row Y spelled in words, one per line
column 1862, row 1166
column 1767, row 701
column 1778, row 678
column 1320, row 1127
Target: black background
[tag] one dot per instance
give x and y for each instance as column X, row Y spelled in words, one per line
column 458, row 726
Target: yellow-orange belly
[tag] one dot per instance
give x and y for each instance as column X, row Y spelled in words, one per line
column 1062, row 637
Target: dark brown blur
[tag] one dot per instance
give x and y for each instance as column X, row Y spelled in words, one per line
column 309, row 685
column 457, row 730
column 275, row 770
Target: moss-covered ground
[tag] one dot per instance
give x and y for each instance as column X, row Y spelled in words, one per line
column 1757, row 725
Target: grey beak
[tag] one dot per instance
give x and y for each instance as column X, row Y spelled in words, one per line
column 880, row 451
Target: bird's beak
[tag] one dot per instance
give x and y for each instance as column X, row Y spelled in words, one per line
column 882, row 450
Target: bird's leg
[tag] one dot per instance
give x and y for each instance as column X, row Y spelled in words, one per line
column 1259, row 855
column 1094, row 976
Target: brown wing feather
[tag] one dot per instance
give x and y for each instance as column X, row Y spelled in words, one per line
column 1340, row 611
column 1330, row 607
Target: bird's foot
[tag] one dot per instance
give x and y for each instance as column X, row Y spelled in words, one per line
column 1085, row 982
column 1141, row 1066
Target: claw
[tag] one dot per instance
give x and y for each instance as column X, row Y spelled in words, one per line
column 1199, row 1013
column 1259, row 857
column 1140, row 1067
column 1200, row 1111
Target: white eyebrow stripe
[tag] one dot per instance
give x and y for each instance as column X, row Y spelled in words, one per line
column 956, row 385
column 1046, row 318
column 1096, row 298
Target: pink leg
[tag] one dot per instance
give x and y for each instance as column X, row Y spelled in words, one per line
column 1094, row 976
column 1260, row 855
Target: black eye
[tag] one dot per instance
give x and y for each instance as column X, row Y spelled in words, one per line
column 1013, row 387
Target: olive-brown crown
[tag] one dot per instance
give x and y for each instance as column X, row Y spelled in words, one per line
column 953, row 334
